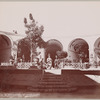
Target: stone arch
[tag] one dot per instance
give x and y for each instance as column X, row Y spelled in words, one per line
column 97, row 49
column 78, row 50
column 5, row 48
column 52, row 46
column 23, row 49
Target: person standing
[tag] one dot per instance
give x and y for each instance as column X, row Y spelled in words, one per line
column 56, row 63
column 49, row 62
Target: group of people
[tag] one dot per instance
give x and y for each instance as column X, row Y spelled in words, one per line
column 49, row 63
column 57, row 63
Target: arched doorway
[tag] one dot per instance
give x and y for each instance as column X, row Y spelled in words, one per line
column 52, row 46
column 23, row 50
column 78, row 51
column 97, row 50
column 5, row 48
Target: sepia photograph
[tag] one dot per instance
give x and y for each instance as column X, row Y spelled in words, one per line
column 50, row 49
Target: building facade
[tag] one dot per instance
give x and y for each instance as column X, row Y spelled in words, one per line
column 81, row 49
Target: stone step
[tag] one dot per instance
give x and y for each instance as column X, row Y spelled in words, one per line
column 52, row 83
column 70, row 89
column 51, row 86
column 51, row 75
column 45, row 77
column 51, row 80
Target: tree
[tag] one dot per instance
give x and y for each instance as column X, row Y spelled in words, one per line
column 33, row 37
column 61, row 54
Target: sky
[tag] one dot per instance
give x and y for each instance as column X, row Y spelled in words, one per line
column 61, row 20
